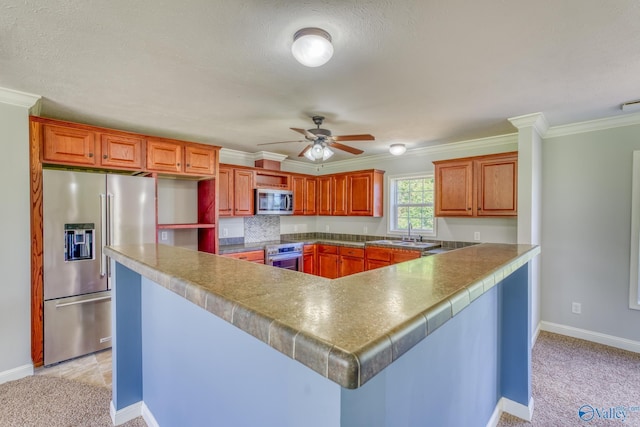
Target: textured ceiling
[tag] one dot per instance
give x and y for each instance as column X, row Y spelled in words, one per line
column 422, row 72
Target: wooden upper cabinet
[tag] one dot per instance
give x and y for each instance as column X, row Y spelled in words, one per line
column 225, row 192
column 497, row 189
column 120, row 151
column 243, row 192
column 477, row 186
column 454, row 188
column 304, row 195
column 69, row 145
column 200, row 159
column 324, row 195
column 365, row 193
column 340, row 196
column 164, row 156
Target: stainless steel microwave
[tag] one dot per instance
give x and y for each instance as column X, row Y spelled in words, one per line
column 274, row 202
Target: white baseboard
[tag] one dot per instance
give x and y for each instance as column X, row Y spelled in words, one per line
column 596, row 337
column 125, row 414
column 148, row 417
column 534, row 338
column 132, row 411
column 510, row 407
column 16, row 373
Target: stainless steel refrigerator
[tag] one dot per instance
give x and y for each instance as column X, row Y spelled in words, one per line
column 83, row 212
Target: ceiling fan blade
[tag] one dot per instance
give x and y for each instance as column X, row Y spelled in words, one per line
column 281, row 142
column 305, row 132
column 345, row 148
column 361, row 137
column 307, row 148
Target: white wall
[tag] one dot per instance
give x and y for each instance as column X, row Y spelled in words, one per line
column 15, row 251
column 586, row 223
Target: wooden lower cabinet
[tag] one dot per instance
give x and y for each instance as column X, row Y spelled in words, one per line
column 309, row 259
column 252, row 256
column 351, row 261
column 327, row 256
column 376, row 257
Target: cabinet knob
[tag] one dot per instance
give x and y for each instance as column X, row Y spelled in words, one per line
column 90, row 154
column 105, row 157
column 178, row 164
column 188, row 165
column 468, row 209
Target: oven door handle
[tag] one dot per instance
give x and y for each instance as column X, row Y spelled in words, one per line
column 283, row 257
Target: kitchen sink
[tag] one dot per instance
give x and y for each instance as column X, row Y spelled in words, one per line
column 405, row 243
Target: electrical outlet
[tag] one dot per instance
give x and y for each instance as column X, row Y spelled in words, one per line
column 576, row 308
column 225, row 232
column 326, row 227
column 295, row 228
column 163, row 235
column 365, row 229
column 476, row 236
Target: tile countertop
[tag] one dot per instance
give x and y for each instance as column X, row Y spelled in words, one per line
column 346, row 329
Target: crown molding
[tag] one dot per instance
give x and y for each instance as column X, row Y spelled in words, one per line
column 17, row 98
column 593, row 125
column 535, row 120
column 267, row 155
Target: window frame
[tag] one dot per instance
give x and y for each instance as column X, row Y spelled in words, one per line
column 391, row 211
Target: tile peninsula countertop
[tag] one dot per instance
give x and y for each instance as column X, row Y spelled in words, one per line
column 346, row 329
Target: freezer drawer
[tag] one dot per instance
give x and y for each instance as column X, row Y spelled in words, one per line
column 76, row 326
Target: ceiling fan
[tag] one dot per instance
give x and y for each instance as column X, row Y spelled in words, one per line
column 322, row 141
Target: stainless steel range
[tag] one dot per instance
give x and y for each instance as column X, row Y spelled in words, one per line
column 284, row 255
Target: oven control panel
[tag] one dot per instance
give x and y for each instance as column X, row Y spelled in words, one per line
column 284, row 249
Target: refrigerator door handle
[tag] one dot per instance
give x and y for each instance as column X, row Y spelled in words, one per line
column 103, row 234
column 84, row 301
column 110, row 217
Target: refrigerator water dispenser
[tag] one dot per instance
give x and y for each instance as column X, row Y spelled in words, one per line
column 78, row 241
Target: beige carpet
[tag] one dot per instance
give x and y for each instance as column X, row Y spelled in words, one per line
column 568, row 374
column 45, row 401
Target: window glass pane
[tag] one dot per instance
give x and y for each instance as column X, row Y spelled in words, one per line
column 413, row 203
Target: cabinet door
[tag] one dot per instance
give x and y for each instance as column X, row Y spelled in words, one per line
column 454, row 188
column 200, row 159
column 497, row 189
column 309, row 259
column 298, row 188
column 243, row 192
column 69, row 145
column 225, row 192
column 360, row 188
column 325, row 190
column 350, row 265
column 372, row 264
column 310, row 191
column 339, row 199
column 328, row 265
column 164, row 156
column 121, row 151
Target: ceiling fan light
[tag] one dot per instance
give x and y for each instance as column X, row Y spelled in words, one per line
column 317, row 151
column 326, row 153
column 397, row 149
column 309, row 155
column 312, row 47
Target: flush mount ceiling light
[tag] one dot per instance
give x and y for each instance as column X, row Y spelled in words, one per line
column 312, row 47
column 318, row 151
column 397, row 149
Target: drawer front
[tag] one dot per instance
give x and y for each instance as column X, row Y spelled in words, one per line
column 352, row 252
column 381, row 254
column 327, row 249
column 309, row 249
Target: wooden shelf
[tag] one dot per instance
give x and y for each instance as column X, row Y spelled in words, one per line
column 183, row 226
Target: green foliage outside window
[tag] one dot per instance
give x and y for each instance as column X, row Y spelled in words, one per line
column 414, row 204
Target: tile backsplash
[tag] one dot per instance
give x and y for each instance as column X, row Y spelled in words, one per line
column 261, row 228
